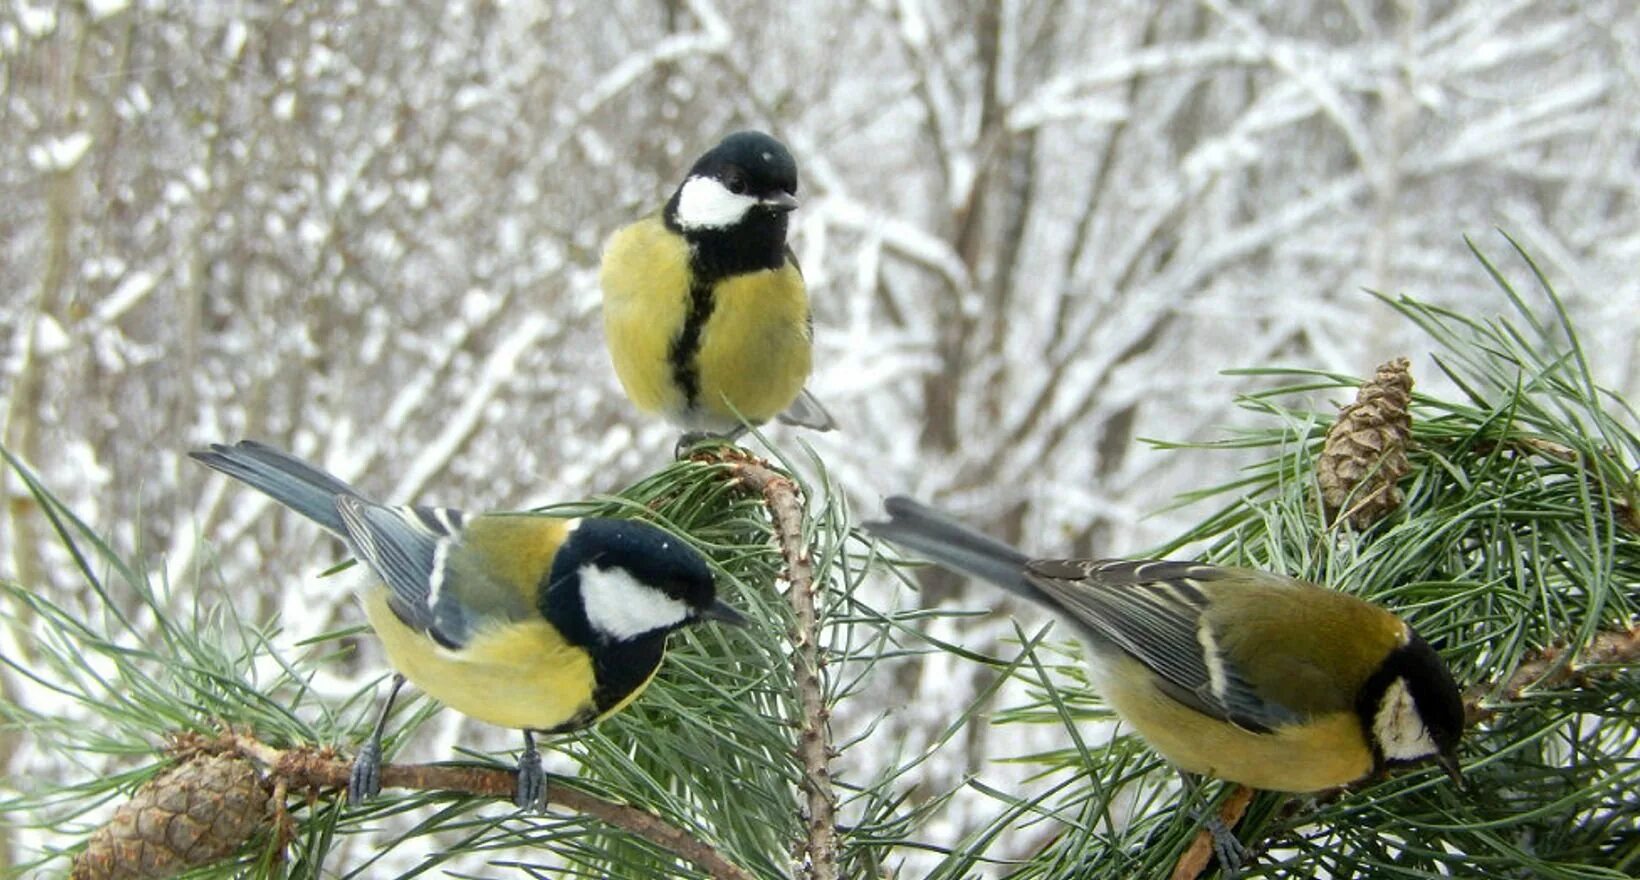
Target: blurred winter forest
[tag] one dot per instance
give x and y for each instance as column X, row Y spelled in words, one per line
column 1034, row 233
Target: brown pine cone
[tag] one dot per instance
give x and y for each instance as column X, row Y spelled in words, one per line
column 189, row 816
column 1365, row 452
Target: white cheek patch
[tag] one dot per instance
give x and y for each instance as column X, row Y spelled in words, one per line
column 1399, row 728
column 620, row 607
column 703, row 203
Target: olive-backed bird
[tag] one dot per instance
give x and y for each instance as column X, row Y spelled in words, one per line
column 523, row 620
column 705, row 310
column 1255, row 678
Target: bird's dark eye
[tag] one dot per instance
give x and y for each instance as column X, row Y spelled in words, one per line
column 735, row 181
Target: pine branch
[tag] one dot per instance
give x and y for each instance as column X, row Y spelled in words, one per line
column 683, row 793
column 1604, row 656
column 1365, row 449
column 814, row 750
column 314, row 772
column 722, row 769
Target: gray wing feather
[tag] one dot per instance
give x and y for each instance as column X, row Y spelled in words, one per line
column 1150, row 610
column 416, row 552
column 1153, row 612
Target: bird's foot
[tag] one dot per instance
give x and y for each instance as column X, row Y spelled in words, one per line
column 687, row 441
column 1232, row 855
column 690, row 439
column 364, row 780
column 532, row 780
column 1227, row 848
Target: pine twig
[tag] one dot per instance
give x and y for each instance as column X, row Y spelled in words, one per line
column 1551, row 667
column 783, row 499
column 1622, row 499
column 1195, row 858
column 312, row 769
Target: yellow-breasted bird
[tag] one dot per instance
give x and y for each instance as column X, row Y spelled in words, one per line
column 1243, row 675
column 705, row 310
column 522, row 620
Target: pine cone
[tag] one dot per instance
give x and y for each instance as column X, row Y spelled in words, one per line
column 189, row 816
column 1365, row 453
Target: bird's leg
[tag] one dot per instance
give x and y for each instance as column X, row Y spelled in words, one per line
column 532, row 780
column 690, row 439
column 687, row 441
column 364, row 781
column 1227, row 848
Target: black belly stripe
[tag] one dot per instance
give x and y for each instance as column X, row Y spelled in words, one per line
column 685, row 351
column 618, row 670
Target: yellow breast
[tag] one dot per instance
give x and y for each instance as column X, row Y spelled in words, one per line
column 645, row 278
column 755, row 351
column 1327, row 751
column 524, row 676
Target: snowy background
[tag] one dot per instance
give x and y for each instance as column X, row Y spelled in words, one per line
column 1033, row 233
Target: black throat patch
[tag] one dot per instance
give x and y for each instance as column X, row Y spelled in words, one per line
column 617, row 667
column 756, row 244
column 617, row 670
column 624, row 667
column 1434, row 694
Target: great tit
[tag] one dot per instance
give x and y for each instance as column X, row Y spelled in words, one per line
column 521, row 620
column 1242, row 675
column 705, row 310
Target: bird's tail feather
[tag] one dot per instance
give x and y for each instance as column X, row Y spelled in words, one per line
column 283, row 477
column 807, row 412
column 941, row 539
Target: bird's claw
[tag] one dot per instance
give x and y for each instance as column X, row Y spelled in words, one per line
column 364, row 780
column 1232, row 855
column 532, row 781
column 690, row 439
column 1227, row 848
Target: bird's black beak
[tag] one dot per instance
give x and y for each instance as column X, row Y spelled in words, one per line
column 720, row 612
column 780, row 202
column 1449, row 763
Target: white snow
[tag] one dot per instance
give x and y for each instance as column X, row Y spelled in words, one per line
column 131, row 290
column 59, row 154
column 458, row 426
column 49, row 337
column 234, row 37
column 36, row 22
column 102, row 9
